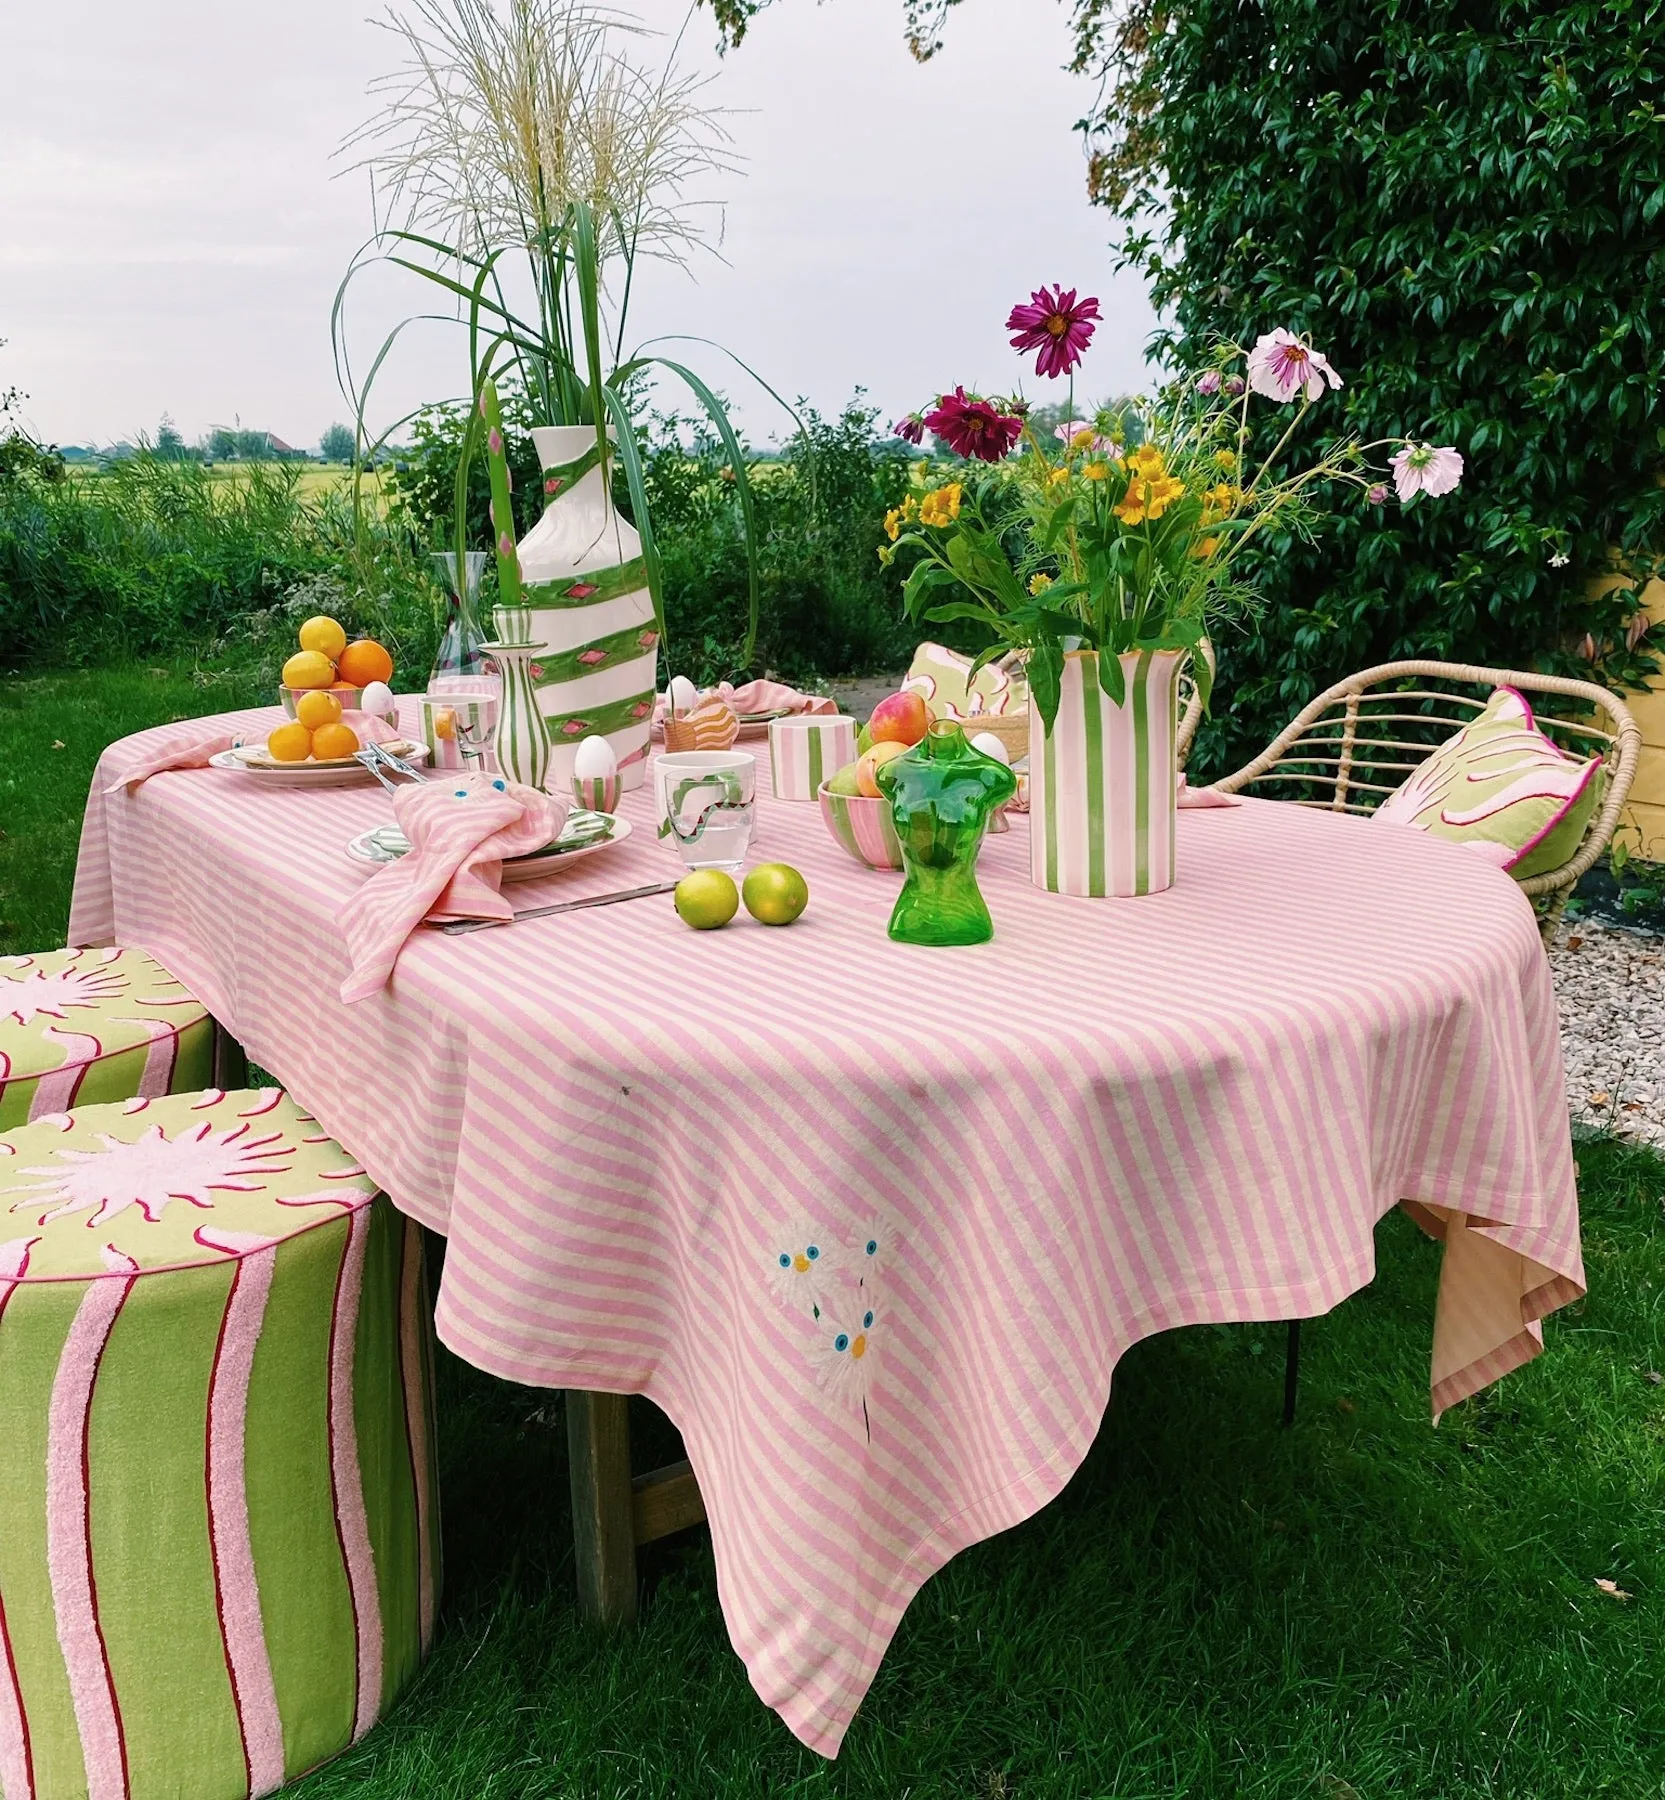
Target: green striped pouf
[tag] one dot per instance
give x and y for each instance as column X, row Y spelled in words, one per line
column 84, row 1026
column 217, row 1530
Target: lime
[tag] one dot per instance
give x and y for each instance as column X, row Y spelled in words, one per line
column 845, row 782
column 775, row 893
column 706, row 899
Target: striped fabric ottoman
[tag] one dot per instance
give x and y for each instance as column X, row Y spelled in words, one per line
column 85, row 1026
column 218, row 1548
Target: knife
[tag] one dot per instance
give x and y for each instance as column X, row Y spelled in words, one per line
column 456, row 927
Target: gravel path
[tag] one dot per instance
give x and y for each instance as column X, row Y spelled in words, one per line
column 1611, row 985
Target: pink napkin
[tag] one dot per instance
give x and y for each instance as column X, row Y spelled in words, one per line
column 1207, row 796
column 760, row 697
column 460, row 830
column 194, row 752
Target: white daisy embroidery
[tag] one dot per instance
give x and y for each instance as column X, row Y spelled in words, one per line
column 804, row 1268
column 844, row 1358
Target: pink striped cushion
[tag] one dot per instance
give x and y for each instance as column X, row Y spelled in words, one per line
column 1504, row 789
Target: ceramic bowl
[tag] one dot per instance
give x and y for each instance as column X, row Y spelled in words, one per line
column 862, row 827
column 348, row 696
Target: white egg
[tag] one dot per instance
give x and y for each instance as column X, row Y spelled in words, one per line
column 594, row 760
column 684, row 695
column 990, row 745
column 377, row 698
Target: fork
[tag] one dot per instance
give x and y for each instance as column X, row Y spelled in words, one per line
column 368, row 759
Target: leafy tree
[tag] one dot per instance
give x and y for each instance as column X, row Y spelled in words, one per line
column 220, row 445
column 337, row 444
column 170, row 446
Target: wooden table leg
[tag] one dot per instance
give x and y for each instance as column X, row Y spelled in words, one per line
column 231, row 1061
column 603, row 1523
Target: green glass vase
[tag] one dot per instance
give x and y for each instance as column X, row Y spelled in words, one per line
column 941, row 794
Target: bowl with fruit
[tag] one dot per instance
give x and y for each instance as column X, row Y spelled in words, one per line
column 327, row 662
column 316, row 748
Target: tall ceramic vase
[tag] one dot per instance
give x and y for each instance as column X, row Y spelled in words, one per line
column 1103, row 783
column 583, row 577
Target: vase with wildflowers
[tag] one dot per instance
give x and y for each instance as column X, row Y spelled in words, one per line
column 1101, row 552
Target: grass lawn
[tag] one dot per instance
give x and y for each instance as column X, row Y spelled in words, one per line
column 1358, row 1608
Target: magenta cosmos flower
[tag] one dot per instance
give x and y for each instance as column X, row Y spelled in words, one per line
column 1056, row 324
column 911, row 428
column 973, row 427
column 1421, row 469
column 1283, row 366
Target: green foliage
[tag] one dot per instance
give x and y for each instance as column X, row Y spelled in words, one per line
column 337, row 445
column 1464, row 204
column 156, row 556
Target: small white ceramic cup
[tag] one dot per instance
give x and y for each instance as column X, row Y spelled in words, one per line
column 806, row 749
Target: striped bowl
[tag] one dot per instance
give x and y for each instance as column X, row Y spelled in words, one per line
column 862, row 826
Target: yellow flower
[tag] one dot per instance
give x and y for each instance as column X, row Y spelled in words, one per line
column 1038, row 584
column 1206, row 547
column 1132, row 509
column 1096, row 471
column 941, row 506
column 1163, row 493
column 1149, row 499
column 910, row 509
column 893, row 523
column 1083, row 439
column 1220, row 501
column 1225, row 459
column 1146, row 463
column 1057, row 478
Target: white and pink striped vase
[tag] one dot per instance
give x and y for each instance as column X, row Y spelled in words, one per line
column 1103, row 783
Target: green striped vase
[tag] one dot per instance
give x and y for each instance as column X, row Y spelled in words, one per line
column 1103, row 783
column 218, row 1540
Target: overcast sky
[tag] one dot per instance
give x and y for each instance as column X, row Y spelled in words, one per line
column 173, row 226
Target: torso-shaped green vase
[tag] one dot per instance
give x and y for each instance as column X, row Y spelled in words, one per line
column 941, row 794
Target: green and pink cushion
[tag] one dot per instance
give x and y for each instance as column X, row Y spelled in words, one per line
column 79, row 1027
column 217, row 1531
column 1504, row 789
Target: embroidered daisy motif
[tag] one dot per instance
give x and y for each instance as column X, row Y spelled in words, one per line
column 868, row 1246
column 804, row 1266
column 47, row 993
column 154, row 1170
column 844, row 1360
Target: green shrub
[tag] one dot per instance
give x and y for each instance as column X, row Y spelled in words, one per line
column 1464, row 203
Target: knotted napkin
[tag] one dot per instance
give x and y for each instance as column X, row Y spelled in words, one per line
column 460, row 830
column 758, row 697
column 194, row 752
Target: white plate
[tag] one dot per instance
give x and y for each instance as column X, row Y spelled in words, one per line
column 387, row 844
column 340, row 771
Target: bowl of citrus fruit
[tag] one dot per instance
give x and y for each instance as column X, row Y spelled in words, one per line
column 327, row 663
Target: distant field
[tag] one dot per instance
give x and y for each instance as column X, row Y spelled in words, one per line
column 314, row 480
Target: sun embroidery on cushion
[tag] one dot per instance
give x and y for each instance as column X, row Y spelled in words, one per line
column 46, row 993
column 805, row 1266
column 153, row 1170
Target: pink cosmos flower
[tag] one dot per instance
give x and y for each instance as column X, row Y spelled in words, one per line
column 1209, row 382
column 1083, row 437
column 1283, row 366
column 1377, row 494
column 1235, row 385
column 1422, row 469
column 1056, row 324
column 972, row 427
column 912, row 428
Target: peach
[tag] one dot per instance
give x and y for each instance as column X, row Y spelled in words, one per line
column 900, row 719
column 868, row 765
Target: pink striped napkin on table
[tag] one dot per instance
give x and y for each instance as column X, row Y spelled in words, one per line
column 460, row 830
column 195, row 752
column 759, row 697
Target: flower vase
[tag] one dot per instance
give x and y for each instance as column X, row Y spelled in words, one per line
column 942, row 793
column 1103, row 782
column 584, row 579
column 460, row 663
column 521, row 741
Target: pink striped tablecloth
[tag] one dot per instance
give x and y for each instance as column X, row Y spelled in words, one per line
column 873, row 1223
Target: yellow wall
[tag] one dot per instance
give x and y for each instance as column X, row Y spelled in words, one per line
column 1645, row 815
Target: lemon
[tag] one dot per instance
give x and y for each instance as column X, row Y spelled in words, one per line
column 308, row 669
column 334, row 743
column 317, row 708
column 706, row 899
column 323, row 635
column 775, row 893
column 289, row 743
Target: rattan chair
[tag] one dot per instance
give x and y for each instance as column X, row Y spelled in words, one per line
column 1355, row 744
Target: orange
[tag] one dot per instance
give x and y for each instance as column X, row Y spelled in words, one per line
column 323, row 635
column 364, row 662
column 330, row 742
column 308, row 669
column 318, row 708
column 290, row 743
